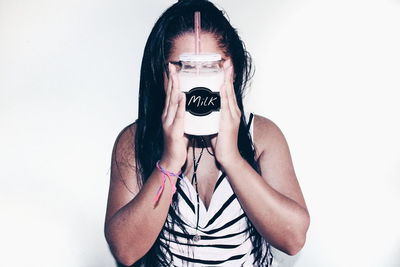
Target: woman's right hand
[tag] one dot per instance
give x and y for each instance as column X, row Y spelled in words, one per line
column 175, row 141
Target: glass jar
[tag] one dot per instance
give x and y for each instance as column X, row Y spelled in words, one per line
column 201, row 78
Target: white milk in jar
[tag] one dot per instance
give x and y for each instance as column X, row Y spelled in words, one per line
column 201, row 78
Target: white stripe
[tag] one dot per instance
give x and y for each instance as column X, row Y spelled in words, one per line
column 233, row 211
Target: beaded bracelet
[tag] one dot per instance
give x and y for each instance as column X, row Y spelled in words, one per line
column 164, row 177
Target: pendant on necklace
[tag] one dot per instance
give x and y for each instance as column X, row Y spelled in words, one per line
column 196, row 238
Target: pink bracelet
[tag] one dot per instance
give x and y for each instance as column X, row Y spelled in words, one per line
column 164, row 177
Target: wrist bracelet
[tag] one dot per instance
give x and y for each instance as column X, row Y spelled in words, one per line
column 163, row 178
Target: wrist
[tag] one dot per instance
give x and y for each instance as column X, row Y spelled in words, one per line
column 166, row 175
column 170, row 165
column 231, row 159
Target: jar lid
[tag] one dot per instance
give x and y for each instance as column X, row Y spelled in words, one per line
column 200, row 57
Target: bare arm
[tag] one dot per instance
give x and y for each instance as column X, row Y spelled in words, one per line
column 273, row 200
column 133, row 221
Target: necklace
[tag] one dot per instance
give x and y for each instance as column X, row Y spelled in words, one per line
column 205, row 145
column 196, row 237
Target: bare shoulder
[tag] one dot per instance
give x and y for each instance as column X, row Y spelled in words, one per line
column 275, row 160
column 266, row 134
column 124, row 145
column 123, row 179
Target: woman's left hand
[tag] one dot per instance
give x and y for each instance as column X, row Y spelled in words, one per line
column 225, row 143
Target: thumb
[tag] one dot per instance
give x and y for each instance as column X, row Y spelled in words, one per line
column 214, row 141
column 180, row 113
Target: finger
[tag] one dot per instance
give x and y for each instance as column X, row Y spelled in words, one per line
column 172, row 77
column 226, row 89
column 180, row 113
column 168, row 92
column 232, row 95
column 224, row 100
column 187, row 140
column 230, row 91
column 174, row 97
column 231, row 74
column 214, row 142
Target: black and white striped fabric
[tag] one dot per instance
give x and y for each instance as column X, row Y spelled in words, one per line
column 222, row 228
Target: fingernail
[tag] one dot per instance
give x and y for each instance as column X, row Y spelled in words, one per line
column 227, row 63
column 229, row 71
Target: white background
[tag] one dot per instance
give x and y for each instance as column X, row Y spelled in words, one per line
column 327, row 73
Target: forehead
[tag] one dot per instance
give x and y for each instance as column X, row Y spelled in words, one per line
column 186, row 44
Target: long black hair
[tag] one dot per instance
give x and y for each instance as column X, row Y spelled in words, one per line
column 174, row 22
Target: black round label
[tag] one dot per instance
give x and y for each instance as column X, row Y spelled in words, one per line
column 201, row 101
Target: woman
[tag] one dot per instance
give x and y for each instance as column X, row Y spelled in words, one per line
column 237, row 194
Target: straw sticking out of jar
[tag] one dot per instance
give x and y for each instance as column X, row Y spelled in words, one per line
column 197, row 31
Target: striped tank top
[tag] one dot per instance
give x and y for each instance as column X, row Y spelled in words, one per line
column 223, row 229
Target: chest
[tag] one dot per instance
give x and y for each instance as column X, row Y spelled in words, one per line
column 207, row 175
